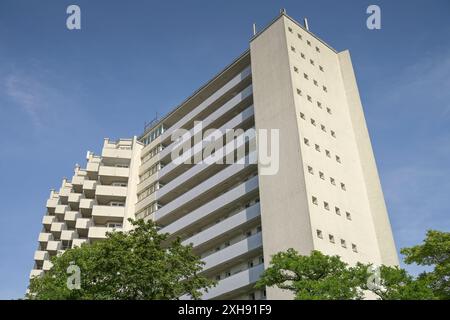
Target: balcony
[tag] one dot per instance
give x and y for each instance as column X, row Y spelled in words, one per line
column 47, row 265
column 109, row 171
column 71, row 217
column 226, row 256
column 40, row 255
column 79, row 242
column 51, row 204
column 45, row 237
column 57, row 227
column 53, row 246
column 78, row 180
column 98, row 233
column 89, row 188
column 74, row 199
column 93, row 167
column 60, row 211
column 103, row 214
column 230, row 286
column 225, row 228
column 116, row 153
column 69, row 235
column 36, row 273
column 83, row 224
column 86, row 206
column 106, row 194
column 47, row 221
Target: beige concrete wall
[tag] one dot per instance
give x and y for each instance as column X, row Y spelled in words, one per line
column 373, row 188
column 284, row 207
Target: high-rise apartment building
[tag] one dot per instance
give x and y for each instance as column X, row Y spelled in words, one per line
column 326, row 194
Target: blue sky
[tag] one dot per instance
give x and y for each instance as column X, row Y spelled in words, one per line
column 62, row 92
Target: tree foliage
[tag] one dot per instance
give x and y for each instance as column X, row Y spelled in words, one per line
column 434, row 251
column 135, row 265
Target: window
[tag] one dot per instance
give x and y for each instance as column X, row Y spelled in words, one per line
column 261, row 259
column 333, row 134
column 324, row 89
column 326, row 205
column 117, row 204
column 305, row 76
column 296, row 69
column 319, row 234
column 314, row 200
column 299, row 36
column 292, row 49
column 302, row 115
column 309, row 98
column 290, row 29
column 218, row 277
column 299, row 92
column 329, row 110
column 338, row 159
column 306, row 141
column 310, row 170
column 119, row 165
column 114, row 225
column 317, row 147
column 343, row 244
column 343, row 186
column 308, row 42
column 311, row 61
column 321, row 175
column 323, row 128
column 354, row 248
column 348, row 215
column 302, row 55
column 337, row 210
column 319, row 104
column 317, row 49
column 327, row 153
column 119, row 184
column 321, row 68
column 332, row 181
column 315, row 82
column 313, row 122
column 331, row 238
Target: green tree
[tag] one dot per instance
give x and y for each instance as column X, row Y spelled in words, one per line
column 139, row 264
column 314, row 277
column 434, row 251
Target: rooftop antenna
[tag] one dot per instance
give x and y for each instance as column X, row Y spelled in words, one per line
column 305, row 21
column 282, row 11
column 254, row 29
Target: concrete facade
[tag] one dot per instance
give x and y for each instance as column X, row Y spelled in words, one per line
column 325, row 196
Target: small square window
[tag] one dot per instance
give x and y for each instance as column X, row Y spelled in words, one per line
column 348, row 215
column 321, row 68
column 305, row 76
column 343, row 243
column 311, row 61
column 314, row 200
column 324, row 88
column 296, row 69
column 292, row 49
column 338, row 159
column 327, row 153
column 299, row 36
column 299, row 92
column 310, row 170
column 315, row 82
column 306, row 141
column 331, row 238
column 332, row 181
column 337, row 210
column 329, row 110
column 302, row 115
column 321, row 175
column 323, row 128
column 309, row 98
column 308, row 42
column 326, row 205
column 319, row 104
column 354, row 248
column 302, row 55
column 317, row 147
column 319, row 234
column 313, row 122
column 333, row 134
column 317, row 49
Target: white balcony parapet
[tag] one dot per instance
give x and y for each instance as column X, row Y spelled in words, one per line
column 101, row 214
column 47, row 265
column 48, row 220
column 79, row 242
column 83, row 223
column 53, row 245
column 71, row 216
column 113, row 191
column 110, row 171
column 69, row 235
column 58, row 227
column 75, row 197
column 100, row 232
column 36, row 273
column 45, row 237
column 40, row 255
